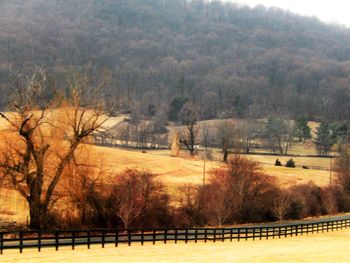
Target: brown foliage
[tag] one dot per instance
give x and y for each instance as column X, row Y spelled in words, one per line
column 44, row 137
column 239, row 193
column 342, row 168
column 138, row 198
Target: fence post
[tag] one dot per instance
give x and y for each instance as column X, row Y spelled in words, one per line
column 175, row 236
column 129, row 237
column 254, row 233
column 39, row 241
column 223, row 235
column 103, row 238
column 89, row 236
column 56, row 239
column 142, row 236
column 239, row 234
column 260, row 233
column 116, row 238
column 267, row 232
column 73, row 240
column 154, row 236
column 231, row 234
column 246, row 234
column 285, row 231
column 166, row 236
column 1, row 242
column 214, row 235
column 205, row 235
column 195, row 235
column 186, row 235
column 20, row 242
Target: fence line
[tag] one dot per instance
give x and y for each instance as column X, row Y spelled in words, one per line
column 74, row 237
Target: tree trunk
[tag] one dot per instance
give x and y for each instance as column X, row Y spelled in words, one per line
column 225, row 155
column 36, row 215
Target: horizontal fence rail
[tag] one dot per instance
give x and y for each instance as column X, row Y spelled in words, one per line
column 76, row 237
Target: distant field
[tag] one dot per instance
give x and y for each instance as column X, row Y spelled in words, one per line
column 323, row 247
column 178, row 171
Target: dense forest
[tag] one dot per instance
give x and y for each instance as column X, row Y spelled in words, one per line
column 230, row 60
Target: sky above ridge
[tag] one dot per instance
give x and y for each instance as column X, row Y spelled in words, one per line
column 335, row 11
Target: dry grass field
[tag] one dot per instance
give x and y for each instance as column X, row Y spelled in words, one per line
column 324, row 247
column 174, row 172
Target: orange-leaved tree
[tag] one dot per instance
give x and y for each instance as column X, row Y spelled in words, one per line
column 44, row 130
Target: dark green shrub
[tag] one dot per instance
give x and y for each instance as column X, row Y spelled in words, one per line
column 290, row 163
column 278, row 163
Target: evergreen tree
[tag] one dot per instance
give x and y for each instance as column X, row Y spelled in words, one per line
column 325, row 138
column 302, row 129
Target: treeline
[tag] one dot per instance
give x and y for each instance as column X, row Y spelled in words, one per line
column 238, row 193
column 274, row 135
column 228, row 60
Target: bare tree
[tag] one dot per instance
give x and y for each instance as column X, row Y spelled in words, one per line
column 342, row 168
column 225, row 134
column 237, row 193
column 133, row 193
column 84, row 191
column 281, row 204
column 278, row 134
column 206, row 136
column 189, row 116
column 218, row 203
column 45, row 134
column 247, row 132
column 329, row 200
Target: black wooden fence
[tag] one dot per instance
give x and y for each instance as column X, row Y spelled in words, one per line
column 59, row 238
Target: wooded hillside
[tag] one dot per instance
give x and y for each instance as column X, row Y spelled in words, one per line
column 231, row 61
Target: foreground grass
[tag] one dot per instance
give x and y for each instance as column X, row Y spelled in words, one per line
column 323, row 247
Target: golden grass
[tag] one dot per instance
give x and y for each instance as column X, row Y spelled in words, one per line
column 178, row 171
column 173, row 171
column 323, row 247
column 307, row 161
column 13, row 207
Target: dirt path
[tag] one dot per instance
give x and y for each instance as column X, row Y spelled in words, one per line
column 326, row 247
